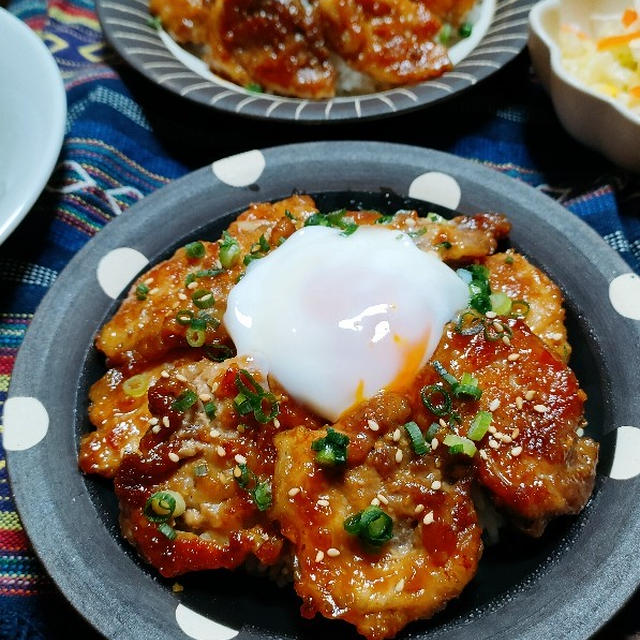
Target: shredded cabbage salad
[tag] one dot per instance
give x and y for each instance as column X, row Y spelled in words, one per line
column 606, row 59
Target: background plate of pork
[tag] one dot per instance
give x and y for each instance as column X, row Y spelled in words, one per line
column 271, row 60
column 561, row 577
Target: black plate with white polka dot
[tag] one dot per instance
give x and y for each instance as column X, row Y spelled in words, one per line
column 127, row 27
column 563, row 585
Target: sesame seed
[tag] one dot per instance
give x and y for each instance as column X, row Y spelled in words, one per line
column 294, row 491
column 400, row 586
column 373, row 425
column 519, row 402
column 516, row 451
column 494, row 444
column 428, row 519
column 140, row 325
column 492, row 429
column 530, row 395
column 180, row 377
column 579, row 432
column 506, row 439
column 164, row 374
column 332, row 552
column 434, row 444
column 419, row 508
column 181, row 296
column 410, row 222
column 436, row 485
column 174, row 457
column 237, row 472
column 192, row 285
column 165, row 421
column 155, row 429
column 320, row 556
column 148, row 281
column 154, row 291
column 153, row 421
column 214, row 433
column 505, row 340
column 442, row 423
column 540, row 408
column 498, row 326
column 396, row 435
column 382, row 499
column 205, row 397
column 399, row 456
column 491, row 315
column 206, row 297
column 515, row 433
column 555, row 336
column 512, row 357
column 221, row 452
column 483, row 454
column 375, row 502
column 240, row 459
column 276, row 423
column 494, row 404
column 322, row 503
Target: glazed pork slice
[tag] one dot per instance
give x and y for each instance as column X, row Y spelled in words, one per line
column 218, row 461
column 119, row 411
column 453, row 11
column 391, row 40
column 436, row 541
column 186, row 20
column 533, row 462
column 514, row 275
column 274, row 43
column 146, row 325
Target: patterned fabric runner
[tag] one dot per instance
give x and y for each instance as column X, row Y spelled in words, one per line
column 125, row 139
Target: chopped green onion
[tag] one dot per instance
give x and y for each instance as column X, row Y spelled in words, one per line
column 289, row 215
column 465, row 30
column 429, row 397
column 254, row 87
column 218, row 352
column 136, row 386
column 479, row 425
column 229, row 250
column 205, row 320
column 468, row 386
column 500, row 303
column 492, row 334
column 185, row 400
column 167, row 531
column 201, row 470
column 203, row 299
column 203, row 273
column 262, row 495
column 443, row 245
column 154, row 22
column 141, row 291
column 417, row 439
column 194, row 250
column 469, row 323
column 245, row 476
column 195, row 337
column 334, row 219
column 508, row 260
column 332, row 449
column 210, row 409
column 384, row 219
column 444, row 35
column 458, row 444
column 434, row 217
column 163, row 505
column 251, row 399
column 372, row 525
column 432, row 431
column 519, row 309
column 465, row 275
column 184, row 317
column 444, row 374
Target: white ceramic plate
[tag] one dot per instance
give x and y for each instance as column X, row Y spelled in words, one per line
column 33, row 110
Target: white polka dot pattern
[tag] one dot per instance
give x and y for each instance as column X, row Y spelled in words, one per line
column 624, row 294
column 25, row 423
column 626, row 458
column 240, row 170
column 198, row 627
column 118, row 268
column 436, row 187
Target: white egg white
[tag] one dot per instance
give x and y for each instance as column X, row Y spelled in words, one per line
column 337, row 318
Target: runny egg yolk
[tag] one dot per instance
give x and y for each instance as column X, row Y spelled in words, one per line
column 337, row 318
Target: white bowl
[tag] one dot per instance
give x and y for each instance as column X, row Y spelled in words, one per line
column 598, row 121
column 32, row 119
